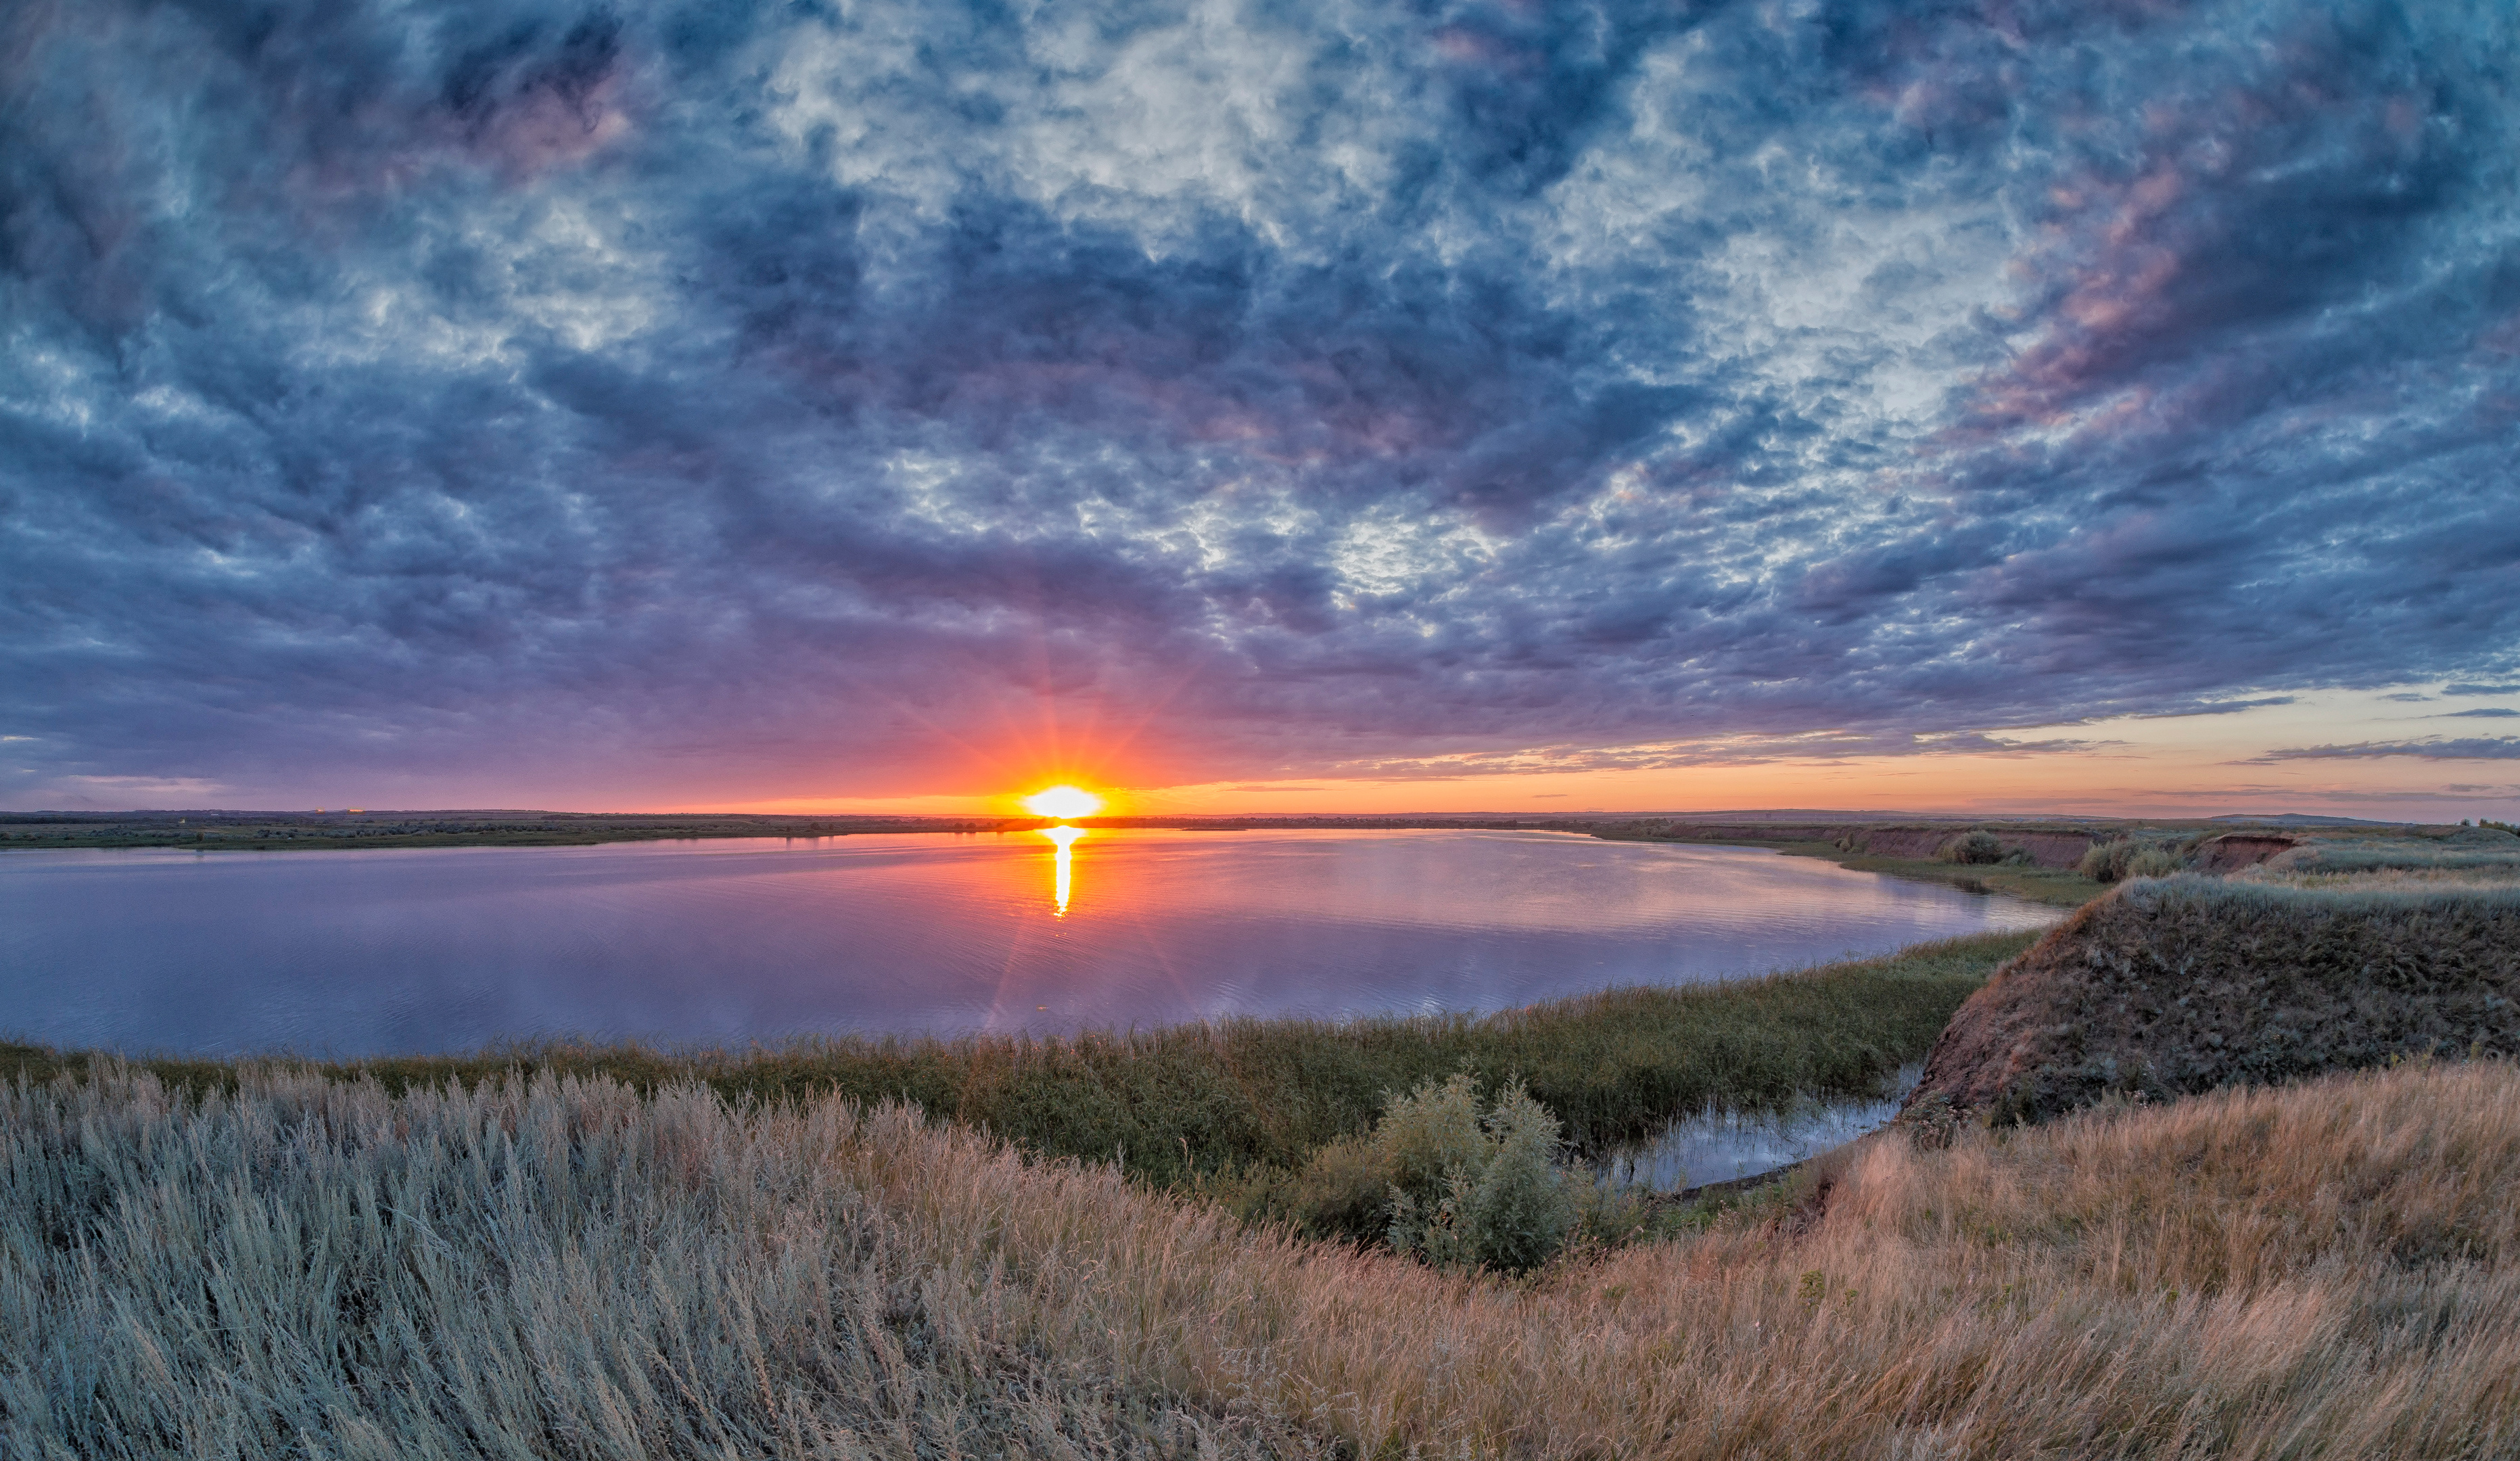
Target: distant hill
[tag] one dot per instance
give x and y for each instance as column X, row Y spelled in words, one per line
column 2298, row 819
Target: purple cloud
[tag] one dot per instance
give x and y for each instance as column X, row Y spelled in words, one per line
column 2481, row 749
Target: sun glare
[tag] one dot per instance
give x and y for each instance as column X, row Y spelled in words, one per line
column 1063, row 801
column 1063, row 880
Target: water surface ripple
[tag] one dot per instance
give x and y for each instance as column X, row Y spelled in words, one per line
column 729, row 941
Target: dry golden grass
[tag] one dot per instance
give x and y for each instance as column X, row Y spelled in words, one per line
column 310, row 1267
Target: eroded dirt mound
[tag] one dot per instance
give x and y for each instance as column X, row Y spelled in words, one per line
column 2180, row 984
column 2238, row 850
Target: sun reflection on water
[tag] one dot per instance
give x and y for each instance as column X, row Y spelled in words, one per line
column 1065, row 836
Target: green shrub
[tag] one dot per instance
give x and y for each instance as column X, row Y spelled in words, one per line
column 1978, row 848
column 1470, row 1190
column 1520, row 1211
column 1430, row 1133
column 2126, row 858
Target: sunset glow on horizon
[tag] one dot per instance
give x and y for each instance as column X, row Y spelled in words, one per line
column 1063, row 801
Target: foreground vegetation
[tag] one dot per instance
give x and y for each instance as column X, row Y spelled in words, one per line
column 1243, row 1106
column 305, row 1265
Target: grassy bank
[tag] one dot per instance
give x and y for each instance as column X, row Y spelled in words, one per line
column 573, row 1268
column 1203, row 1100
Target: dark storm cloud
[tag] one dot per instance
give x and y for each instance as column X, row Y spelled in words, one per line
column 727, row 400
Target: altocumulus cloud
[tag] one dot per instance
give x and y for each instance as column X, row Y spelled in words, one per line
column 719, row 395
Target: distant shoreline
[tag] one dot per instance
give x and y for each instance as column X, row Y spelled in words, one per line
column 268, row 831
column 1904, row 848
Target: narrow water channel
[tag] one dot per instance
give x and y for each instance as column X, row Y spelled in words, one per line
column 1726, row 1145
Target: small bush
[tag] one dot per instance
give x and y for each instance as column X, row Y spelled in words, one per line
column 2126, row 857
column 1520, row 1210
column 1430, row 1133
column 1469, row 1190
column 1976, row 849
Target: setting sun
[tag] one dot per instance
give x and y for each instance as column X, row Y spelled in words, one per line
column 1063, row 801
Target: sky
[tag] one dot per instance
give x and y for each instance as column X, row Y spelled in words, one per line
column 2094, row 406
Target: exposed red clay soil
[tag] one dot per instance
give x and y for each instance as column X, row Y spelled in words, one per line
column 2175, row 986
column 2238, row 850
column 2045, row 848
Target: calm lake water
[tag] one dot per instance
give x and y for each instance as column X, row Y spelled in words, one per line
column 730, row 941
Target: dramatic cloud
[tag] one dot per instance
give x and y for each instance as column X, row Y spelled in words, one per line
column 699, row 399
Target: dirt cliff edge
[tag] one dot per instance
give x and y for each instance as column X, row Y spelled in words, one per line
column 2170, row 986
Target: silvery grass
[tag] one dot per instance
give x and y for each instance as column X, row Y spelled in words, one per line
column 567, row 1269
column 2478, row 853
column 313, row 1269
